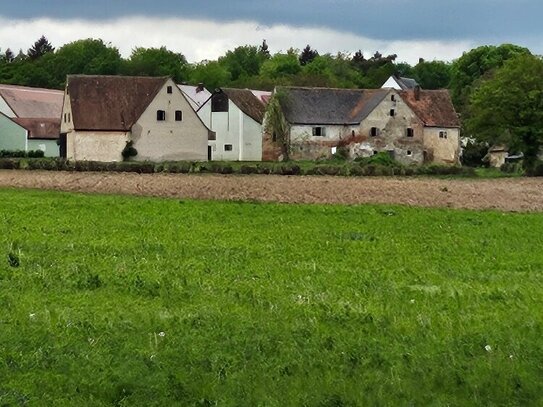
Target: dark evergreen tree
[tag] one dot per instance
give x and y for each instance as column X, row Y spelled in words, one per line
column 307, row 55
column 9, row 56
column 263, row 50
column 40, row 48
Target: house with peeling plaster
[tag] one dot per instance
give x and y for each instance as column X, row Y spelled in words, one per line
column 413, row 126
column 30, row 119
column 104, row 115
column 236, row 116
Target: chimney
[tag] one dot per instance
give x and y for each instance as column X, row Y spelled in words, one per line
column 416, row 92
column 200, row 87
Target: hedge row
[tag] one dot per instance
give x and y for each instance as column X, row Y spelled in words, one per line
column 278, row 168
column 21, row 154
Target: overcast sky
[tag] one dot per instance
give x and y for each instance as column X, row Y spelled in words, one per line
column 205, row 29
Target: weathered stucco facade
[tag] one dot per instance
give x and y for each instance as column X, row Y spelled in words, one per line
column 162, row 128
column 413, row 126
column 391, row 127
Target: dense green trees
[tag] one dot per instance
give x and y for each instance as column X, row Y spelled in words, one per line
column 508, row 108
column 468, row 71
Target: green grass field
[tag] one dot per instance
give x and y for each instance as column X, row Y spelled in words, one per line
column 108, row 300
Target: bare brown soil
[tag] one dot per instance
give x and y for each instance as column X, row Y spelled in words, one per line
column 511, row 194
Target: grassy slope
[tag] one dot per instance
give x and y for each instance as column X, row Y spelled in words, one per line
column 264, row 304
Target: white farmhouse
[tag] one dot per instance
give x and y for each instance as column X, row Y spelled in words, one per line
column 103, row 115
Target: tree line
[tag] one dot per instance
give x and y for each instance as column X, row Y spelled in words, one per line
column 497, row 90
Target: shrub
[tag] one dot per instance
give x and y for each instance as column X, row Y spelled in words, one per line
column 473, row 154
column 535, row 170
column 512, row 168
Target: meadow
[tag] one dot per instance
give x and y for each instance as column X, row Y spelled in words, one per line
column 132, row 301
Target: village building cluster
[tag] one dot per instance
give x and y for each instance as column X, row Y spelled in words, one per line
column 115, row 118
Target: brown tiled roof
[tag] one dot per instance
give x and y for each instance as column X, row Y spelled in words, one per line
column 247, row 102
column 40, row 128
column 433, row 107
column 328, row 105
column 32, row 102
column 111, row 103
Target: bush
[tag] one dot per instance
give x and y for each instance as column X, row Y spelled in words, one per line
column 536, row 170
column 473, row 154
column 21, row 154
column 512, row 168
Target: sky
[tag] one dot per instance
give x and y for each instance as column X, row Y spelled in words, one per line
column 206, row 29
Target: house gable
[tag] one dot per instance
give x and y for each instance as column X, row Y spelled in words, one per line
column 169, row 128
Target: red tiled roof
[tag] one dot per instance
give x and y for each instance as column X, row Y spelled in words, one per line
column 111, row 103
column 433, row 107
column 33, row 102
column 40, row 128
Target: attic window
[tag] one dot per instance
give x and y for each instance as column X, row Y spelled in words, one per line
column 374, row 132
column 375, row 152
column 219, row 103
column 65, row 118
column 169, row 89
column 442, row 134
column 410, row 132
column 392, row 112
column 409, row 153
column 393, row 98
column 160, row 115
column 319, row 131
column 178, row 115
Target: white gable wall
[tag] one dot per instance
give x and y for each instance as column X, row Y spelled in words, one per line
column 170, row 140
column 4, row 108
column 391, row 83
column 237, row 129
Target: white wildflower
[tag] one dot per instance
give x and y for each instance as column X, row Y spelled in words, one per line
column 510, row 356
column 31, row 315
column 488, row 348
column 412, row 301
column 162, row 334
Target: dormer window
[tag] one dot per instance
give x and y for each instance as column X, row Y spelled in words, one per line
column 393, row 98
column 169, row 89
column 374, row 132
column 160, row 115
column 178, row 115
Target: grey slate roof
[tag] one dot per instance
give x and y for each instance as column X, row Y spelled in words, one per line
column 406, row 83
column 329, row 106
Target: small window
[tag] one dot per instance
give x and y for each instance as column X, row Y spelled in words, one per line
column 169, row 89
column 69, row 117
column 442, row 134
column 352, row 133
column 410, row 132
column 160, row 115
column 178, row 115
column 409, row 153
column 319, row 131
column 65, row 118
column 374, row 132
column 228, row 147
column 392, row 112
column 393, row 98
column 219, row 103
column 375, row 152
